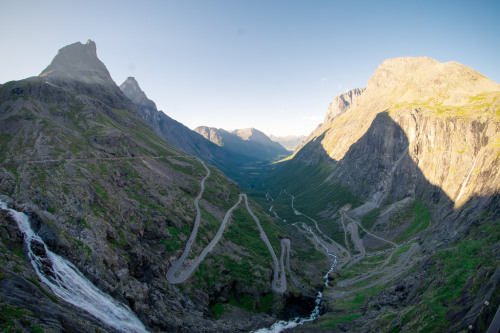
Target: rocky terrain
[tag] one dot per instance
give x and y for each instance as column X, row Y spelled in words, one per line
column 404, row 174
column 171, row 130
column 107, row 194
column 393, row 201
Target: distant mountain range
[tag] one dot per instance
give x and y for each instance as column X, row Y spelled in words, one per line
column 290, row 142
column 249, row 142
column 226, row 150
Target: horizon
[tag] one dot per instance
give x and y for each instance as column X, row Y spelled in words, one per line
column 271, row 66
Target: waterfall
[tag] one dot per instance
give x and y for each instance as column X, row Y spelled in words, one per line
column 68, row 283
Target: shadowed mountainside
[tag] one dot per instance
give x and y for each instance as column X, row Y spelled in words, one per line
column 413, row 155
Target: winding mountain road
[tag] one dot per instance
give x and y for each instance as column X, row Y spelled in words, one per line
column 173, row 275
column 282, row 279
column 175, row 267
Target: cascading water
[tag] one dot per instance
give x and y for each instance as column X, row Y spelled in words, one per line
column 285, row 325
column 68, row 283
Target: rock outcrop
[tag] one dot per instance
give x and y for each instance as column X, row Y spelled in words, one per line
column 78, row 62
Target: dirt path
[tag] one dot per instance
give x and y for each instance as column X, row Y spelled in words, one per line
column 171, row 273
column 369, row 233
column 392, row 272
column 278, row 283
column 277, row 287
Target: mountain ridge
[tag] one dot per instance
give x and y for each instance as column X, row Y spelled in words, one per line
column 413, row 157
column 249, row 141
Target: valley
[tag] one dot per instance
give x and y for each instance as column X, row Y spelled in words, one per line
column 386, row 218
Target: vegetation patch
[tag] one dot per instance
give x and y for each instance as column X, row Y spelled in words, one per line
column 468, row 260
column 369, row 219
column 421, row 220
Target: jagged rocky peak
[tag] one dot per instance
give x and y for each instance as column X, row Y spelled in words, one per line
column 133, row 91
column 341, row 103
column 78, row 62
column 422, row 79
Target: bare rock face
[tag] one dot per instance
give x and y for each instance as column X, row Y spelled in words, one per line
column 407, row 80
column 426, row 132
column 78, row 62
column 132, row 90
column 447, row 111
column 341, row 103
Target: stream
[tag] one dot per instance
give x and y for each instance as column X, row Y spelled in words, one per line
column 68, row 283
column 283, row 325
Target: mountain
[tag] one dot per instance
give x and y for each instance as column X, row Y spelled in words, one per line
column 402, row 177
column 169, row 129
column 180, row 136
column 249, row 142
column 118, row 203
column 290, row 142
column 78, row 62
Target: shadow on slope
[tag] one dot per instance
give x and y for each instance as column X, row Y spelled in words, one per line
column 378, row 170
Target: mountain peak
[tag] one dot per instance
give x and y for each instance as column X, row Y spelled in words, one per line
column 422, row 79
column 78, row 62
column 130, row 87
column 341, row 103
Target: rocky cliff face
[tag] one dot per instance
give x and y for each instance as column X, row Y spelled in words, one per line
column 448, row 112
column 341, row 103
column 148, row 108
column 422, row 133
column 78, row 62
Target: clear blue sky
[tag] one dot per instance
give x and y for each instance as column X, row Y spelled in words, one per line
column 273, row 65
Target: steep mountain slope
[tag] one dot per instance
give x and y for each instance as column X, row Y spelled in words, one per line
column 249, row 142
column 231, row 161
column 110, row 196
column 169, row 129
column 405, row 177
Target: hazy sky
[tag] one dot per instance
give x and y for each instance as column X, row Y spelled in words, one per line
column 273, row 65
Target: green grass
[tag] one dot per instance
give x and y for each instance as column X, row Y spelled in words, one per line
column 83, row 246
column 101, row 192
column 369, row 219
column 217, row 310
column 470, row 258
column 357, row 300
column 312, row 192
column 244, row 301
column 421, row 220
column 10, row 314
column 399, row 252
